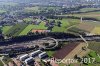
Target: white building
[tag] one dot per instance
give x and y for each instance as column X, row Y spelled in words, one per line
column 42, row 55
column 24, row 57
column 29, row 61
column 35, row 53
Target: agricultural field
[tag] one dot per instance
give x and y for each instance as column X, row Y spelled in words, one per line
column 40, row 26
column 15, row 30
column 96, row 30
column 91, row 26
column 50, row 53
column 30, row 27
column 87, row 26
column 27, row 19
column 93, row 54
column 23, row 29
column 26, row 30
column 93, row 23
column 5, row 29
column 88, row 12
column 8, row 4
column 88, row 9
column 66, row 23
column 31, row 9
column 2, row 11
column 94, row 46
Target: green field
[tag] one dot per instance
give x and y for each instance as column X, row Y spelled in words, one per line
column 30, row 27
column 15, row 30
column 23, row 29
column 40, row 26
column 27, row 19
column 26, row 30
column 91, row 55
column 94, row 55
column 50, row 53
column 2, row 11
column 93, row 27
column 95, row 46
column 66, row 23
column 86, row 13
column 96, row 31
column 8, row 3
column 90, row 14
column 96, row 24
column 31, row 9
column 5, row 29
column 88, row 9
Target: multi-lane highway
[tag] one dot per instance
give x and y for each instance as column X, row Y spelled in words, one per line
column 87, row 38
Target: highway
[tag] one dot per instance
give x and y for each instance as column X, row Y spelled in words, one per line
column 57, row 37
column 87, row 38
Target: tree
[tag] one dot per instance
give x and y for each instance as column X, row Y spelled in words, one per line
column 0, row 29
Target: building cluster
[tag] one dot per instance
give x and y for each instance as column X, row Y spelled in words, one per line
column 31, row 58
column 40, row 31
column 10, row 20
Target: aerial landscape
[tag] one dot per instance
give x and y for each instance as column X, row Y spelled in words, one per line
column 49, row 32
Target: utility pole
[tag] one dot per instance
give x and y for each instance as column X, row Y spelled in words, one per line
column 81, row 19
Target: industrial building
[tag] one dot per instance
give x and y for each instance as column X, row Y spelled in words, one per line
column 29, row 61
column 24, row 57
column 43, row 55
column 35, row 53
